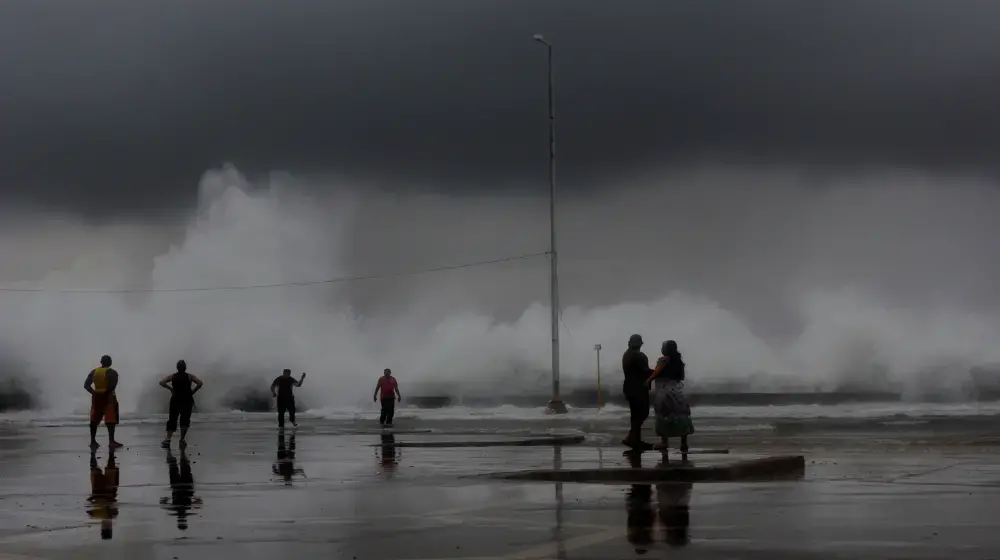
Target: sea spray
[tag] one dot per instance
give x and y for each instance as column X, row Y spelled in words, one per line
column 792, row 288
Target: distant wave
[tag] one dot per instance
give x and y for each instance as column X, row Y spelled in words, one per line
column 895, row 412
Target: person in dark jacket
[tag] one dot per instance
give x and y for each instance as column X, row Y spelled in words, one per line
column 281, row 390
column 635, row 366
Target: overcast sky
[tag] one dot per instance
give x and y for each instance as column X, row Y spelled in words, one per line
column 756, row 155
column 124, row 104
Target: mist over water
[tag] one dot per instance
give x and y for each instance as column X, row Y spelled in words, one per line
column 769, row 280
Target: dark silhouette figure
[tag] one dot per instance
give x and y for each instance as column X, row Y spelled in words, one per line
column 182, row 500
column 639, row 509
column 103, row 501
column 389, row 388
column 101, row 383
column 635, row 366
column 284, row 466
column 673, row 412
column 281, row 390
column 181, row 401
column 388, row 456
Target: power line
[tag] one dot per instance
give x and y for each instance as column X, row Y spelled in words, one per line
column 281, row 284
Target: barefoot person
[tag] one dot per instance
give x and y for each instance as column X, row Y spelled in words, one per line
column 281, row 389
column 181, row 401
column 390, row 394
column 635, row 366
column 101, row 384
column 673, row 414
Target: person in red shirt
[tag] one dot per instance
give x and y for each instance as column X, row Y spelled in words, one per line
column 390, row 394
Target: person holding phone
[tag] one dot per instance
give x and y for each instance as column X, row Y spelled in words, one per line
column 281, row 389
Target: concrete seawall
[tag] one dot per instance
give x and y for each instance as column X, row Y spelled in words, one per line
column 588, row 399
column 767, row 468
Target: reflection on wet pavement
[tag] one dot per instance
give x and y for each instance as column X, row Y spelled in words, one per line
column 640, row 514
column 437, row 506
column 388, row 453
column 674, row 511
column 284, row 466
column 103, row 501
column 671, row 512
column 182, row 499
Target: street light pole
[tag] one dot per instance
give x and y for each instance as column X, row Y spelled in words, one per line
column 555, row 405
column 597, row 347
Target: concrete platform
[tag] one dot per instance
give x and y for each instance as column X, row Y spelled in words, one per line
column 696, row 451
column 390, row 431
column 586, row 397
column 521, row 442
column 765, row 468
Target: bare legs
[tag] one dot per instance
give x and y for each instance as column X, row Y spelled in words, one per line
column 170, row 436
column 111, row 436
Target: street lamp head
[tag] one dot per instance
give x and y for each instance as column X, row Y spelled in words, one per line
column 541, row 39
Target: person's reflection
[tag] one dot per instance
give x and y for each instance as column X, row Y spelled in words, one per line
column 387, row 457
column 639, row 509
column 182, row 499
column 285, row 465
column 103, row 501
column 557, row 533
column 673, row 503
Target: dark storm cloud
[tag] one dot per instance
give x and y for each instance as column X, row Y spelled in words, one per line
column 124, row 104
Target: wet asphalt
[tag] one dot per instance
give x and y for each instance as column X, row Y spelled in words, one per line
column 243, row 490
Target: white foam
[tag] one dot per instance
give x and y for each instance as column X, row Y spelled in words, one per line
column 474, row 415
column 505, row 412
column 508, row 412
column 860, row 410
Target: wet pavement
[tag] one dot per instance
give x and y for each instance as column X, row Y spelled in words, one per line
column 242, row 491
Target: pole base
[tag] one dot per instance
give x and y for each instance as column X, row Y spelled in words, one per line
column 556, row 407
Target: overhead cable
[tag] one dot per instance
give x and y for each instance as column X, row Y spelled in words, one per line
column 338, row 280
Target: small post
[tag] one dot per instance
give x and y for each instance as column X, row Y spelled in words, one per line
column 597, row 347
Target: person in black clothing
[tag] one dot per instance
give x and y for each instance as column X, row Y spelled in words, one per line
column 181, row 401
column 635, row 366
column 281, row 389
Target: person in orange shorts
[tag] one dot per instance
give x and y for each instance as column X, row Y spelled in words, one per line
column 101, row 384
